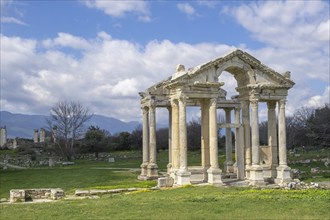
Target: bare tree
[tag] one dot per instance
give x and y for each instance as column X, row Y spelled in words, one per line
column 68, row 118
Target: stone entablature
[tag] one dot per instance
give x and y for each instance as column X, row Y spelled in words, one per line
column 199, row 86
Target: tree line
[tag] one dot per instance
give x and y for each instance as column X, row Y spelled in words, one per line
column 308, row 127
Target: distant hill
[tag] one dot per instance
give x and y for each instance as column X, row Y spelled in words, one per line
column 21, row 125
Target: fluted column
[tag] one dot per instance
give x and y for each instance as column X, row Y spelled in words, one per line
column 205, row 138
column 145, row 143
column 214, row 172
column 183, row 174
column 229, row 145
column 256, row 177
column 247, row 136
column 239, row 148
column 272, row 136
column 169, row 165
column 283, row 171
column 152, row 166
column 175, row 135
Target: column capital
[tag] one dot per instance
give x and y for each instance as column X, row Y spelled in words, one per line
column 254, row 103
column 271, row 104
column 145, row 109
column 174, row 103
column 183, row 99
column 282, row 103
column 213, row 102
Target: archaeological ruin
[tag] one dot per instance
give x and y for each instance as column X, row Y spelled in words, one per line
column 200, row 86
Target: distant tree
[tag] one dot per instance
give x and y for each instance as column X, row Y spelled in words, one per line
column 194, row 134
column 95, row 140
column 162, row 138
column 68, row 118
column 319, row 127
column 136, row 138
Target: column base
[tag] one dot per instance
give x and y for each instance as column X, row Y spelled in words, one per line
column 214, row 176
column 205, row 174
column 228, row 167
column 183, row 177
column 144, row 172
column 283, row 174
column 169, row 168
column 247, row 171
column 152, row 171
column 256, row 176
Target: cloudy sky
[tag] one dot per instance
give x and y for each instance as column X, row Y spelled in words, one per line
column 103, row 53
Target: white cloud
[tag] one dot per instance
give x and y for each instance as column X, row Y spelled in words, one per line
column 110, row 72
column 12, row 20
column 118, row 8
column 186, row 8
column 67, row 40
column 297, row 37
column 285, row 24
column 319, row 100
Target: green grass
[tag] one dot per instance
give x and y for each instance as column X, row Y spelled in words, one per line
column 184, row 203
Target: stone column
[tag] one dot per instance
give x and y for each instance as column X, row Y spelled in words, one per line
column 175, row 138
column 272, row 136
column 228, row 166
column 42, row 135
column 183, row 174
column 283, row 171
column 247, row 136
column 214, row 172
column 35, row 136
column 152, row 166
column 169, row 165
column 145, row 143
column 239, row 147
column 205, row 142
column 256, row 177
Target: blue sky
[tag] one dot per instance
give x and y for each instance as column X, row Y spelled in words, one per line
column 103, row 53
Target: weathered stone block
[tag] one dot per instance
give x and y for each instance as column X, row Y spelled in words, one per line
column 17, row 195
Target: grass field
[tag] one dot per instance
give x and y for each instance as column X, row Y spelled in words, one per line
column 182, row 203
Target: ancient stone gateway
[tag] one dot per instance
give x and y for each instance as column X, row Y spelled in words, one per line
column 199, row 86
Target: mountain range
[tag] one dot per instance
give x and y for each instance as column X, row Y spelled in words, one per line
column 23, row 125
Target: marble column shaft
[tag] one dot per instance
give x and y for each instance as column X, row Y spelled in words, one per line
column 213, row 134
column 255, row 133
column 175, row 135
column 169, row 165
column 272, row 133
column 145, row 135
column 183, row 134
column 247, row 131
column 282, row 133
column 205, row 134
column 152, row 126
column 229, row 144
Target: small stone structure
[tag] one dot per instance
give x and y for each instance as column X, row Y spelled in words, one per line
column 200, row 86
column 3, row 136
column 25, row 195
